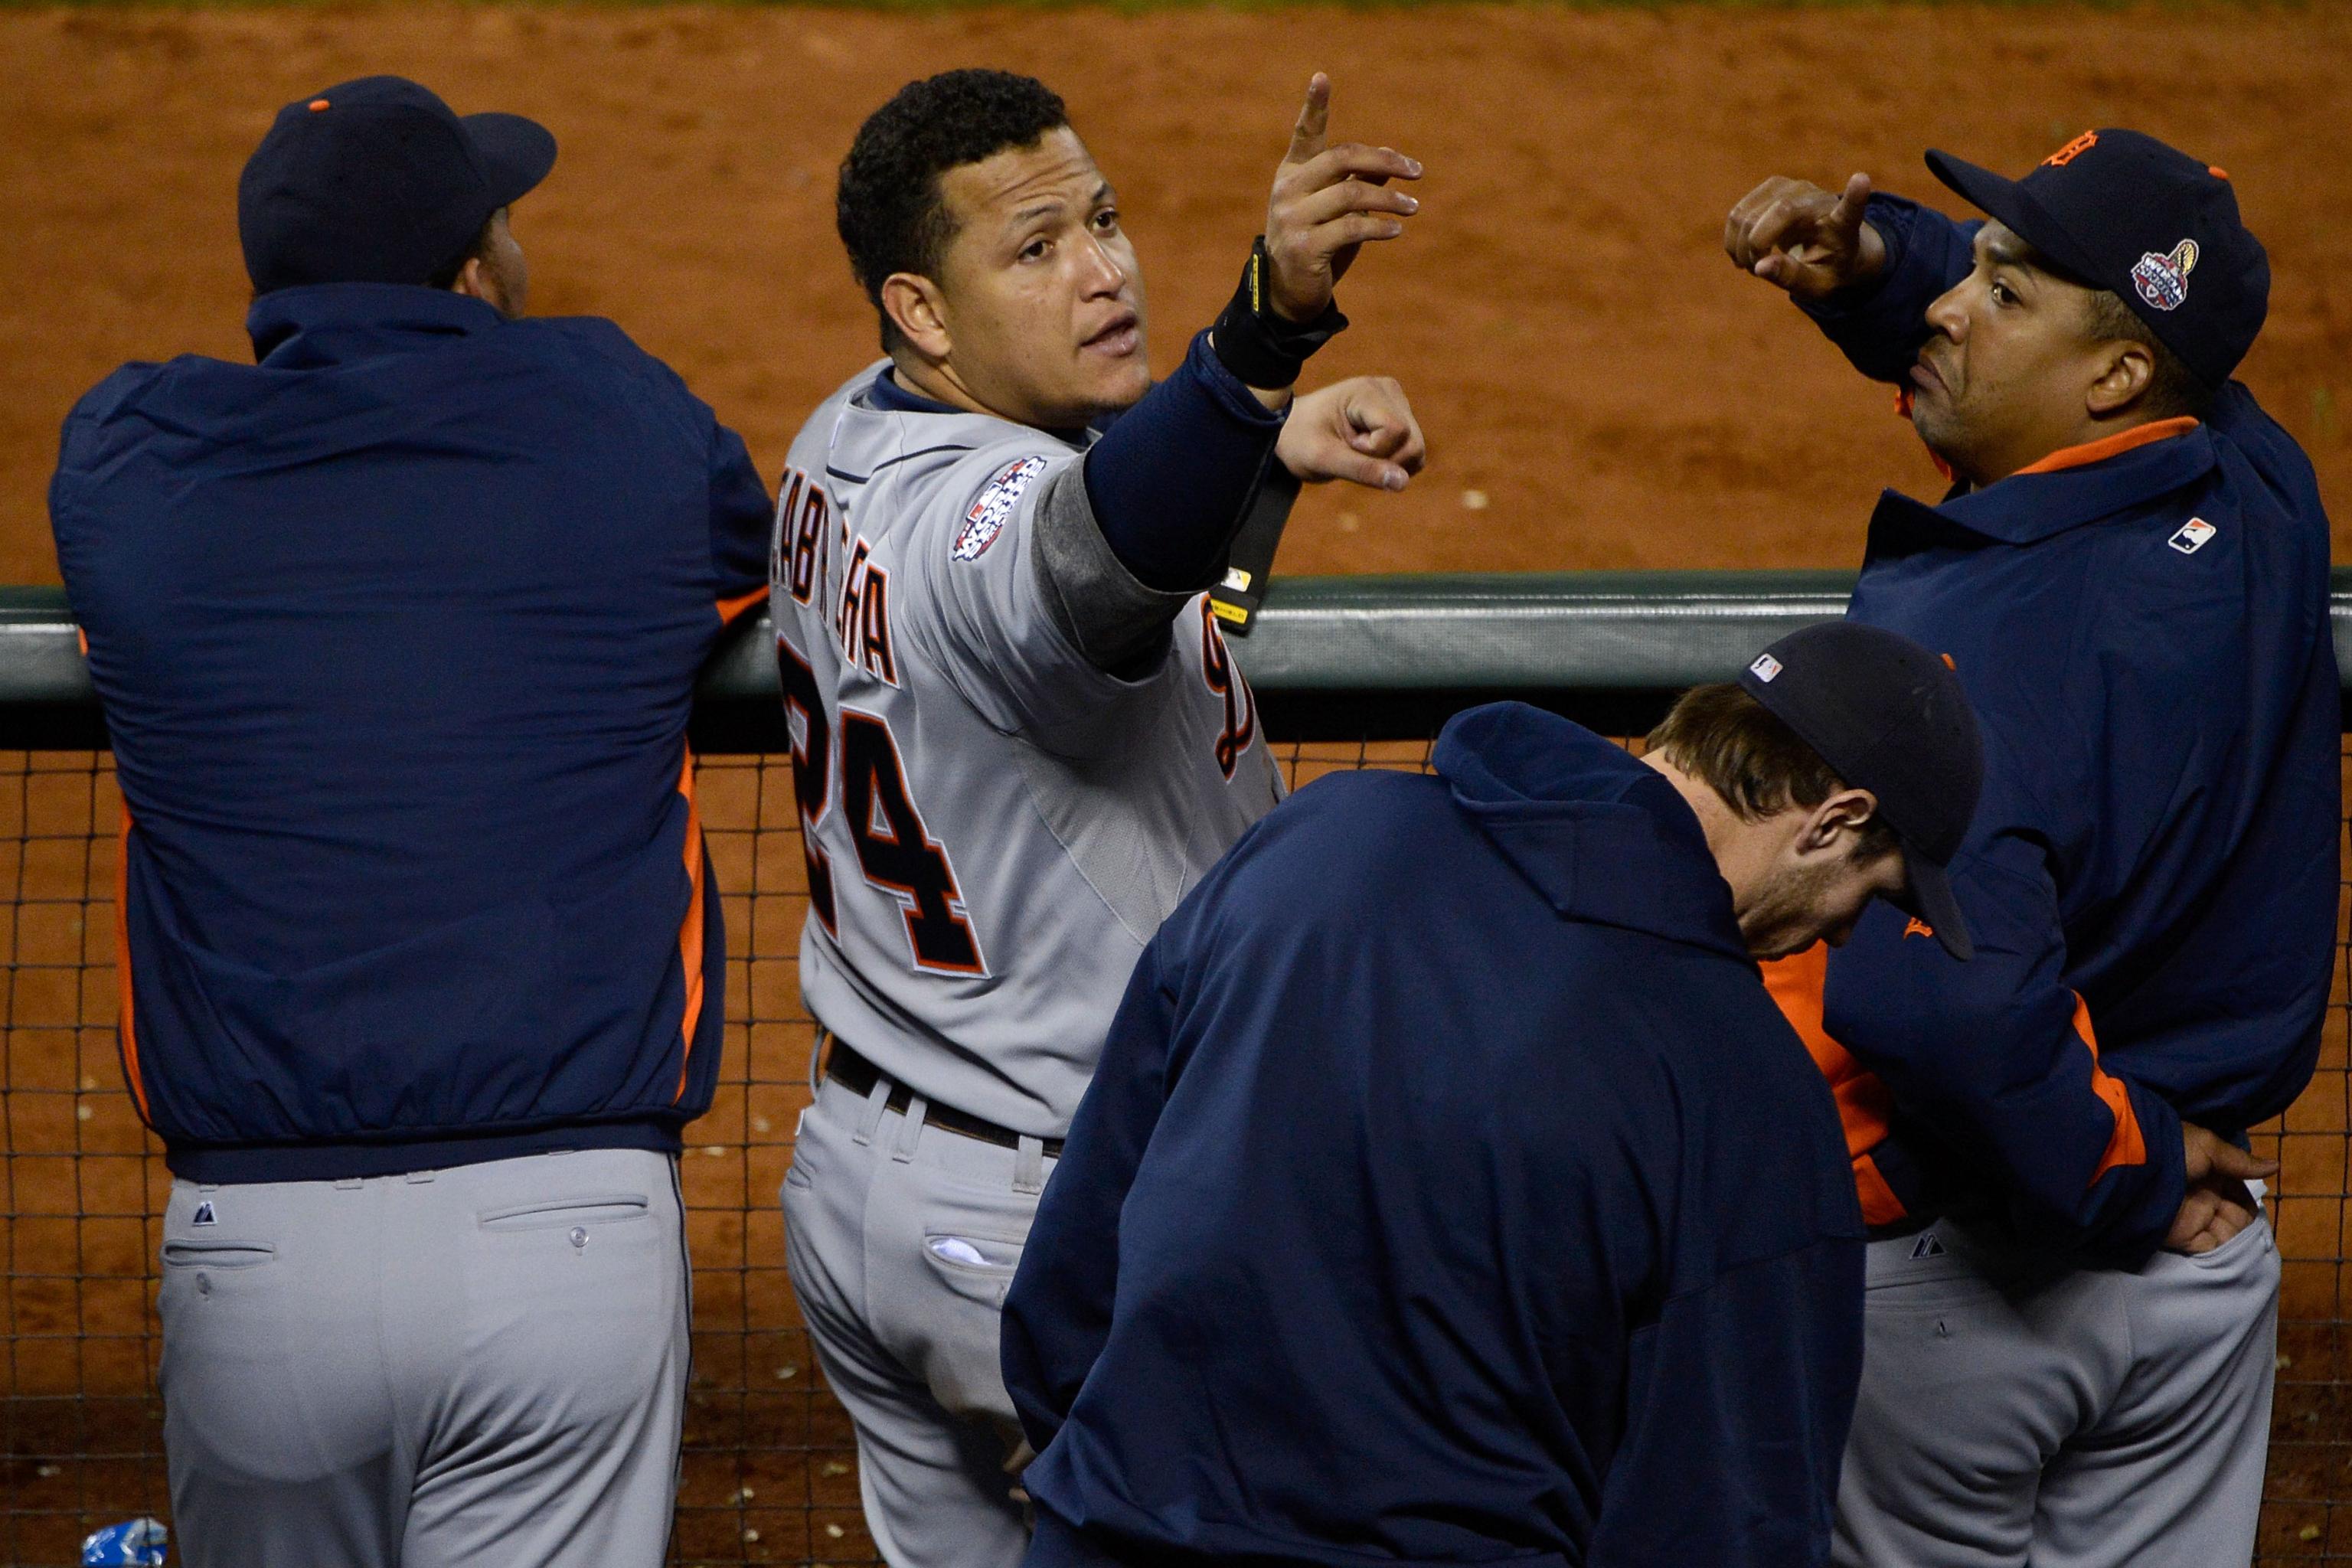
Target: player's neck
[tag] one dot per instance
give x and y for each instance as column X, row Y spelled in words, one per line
column 940, row 384
column 1742, row 850
column 2088, row 440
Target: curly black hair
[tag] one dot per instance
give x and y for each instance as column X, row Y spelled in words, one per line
column 887, row 205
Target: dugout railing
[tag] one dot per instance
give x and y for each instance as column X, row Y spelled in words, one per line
column 1349, row 672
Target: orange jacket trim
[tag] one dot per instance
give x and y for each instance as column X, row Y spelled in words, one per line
column 1879, row 1204
column 1903, row 411
column 2112, row 445
column 126, row 1023
column 1865, row 1110
column 689, row 930
column 730, row 608
column 2127, row 1145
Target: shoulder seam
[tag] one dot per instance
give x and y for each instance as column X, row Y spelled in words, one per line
column 892, row 462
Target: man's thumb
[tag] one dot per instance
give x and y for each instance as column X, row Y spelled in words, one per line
column 1853, row 201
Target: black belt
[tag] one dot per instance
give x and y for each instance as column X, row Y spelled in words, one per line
column 845, row 1067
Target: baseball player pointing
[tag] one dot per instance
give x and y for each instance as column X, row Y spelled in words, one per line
column 1018, row 737
column 2073, row 1303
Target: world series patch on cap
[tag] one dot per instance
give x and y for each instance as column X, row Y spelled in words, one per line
column 2121, row 211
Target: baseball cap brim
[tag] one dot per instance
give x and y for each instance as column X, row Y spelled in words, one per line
column 2010, row 203
column 1929, row 896
column 516, row 154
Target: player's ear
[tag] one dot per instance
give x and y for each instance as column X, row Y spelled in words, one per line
column 2125, row 369
column 473, row 279
column 915, row 307
column 1838, row 819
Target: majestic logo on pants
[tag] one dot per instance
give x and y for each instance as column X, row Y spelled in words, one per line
column 204, row 1214
column 2163, row 280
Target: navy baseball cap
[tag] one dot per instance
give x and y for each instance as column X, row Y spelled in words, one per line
column 1889, row 717
column 375, row 181
column 2122, row 211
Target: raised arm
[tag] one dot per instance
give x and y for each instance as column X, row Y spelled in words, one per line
column 1864, row 267
column 1170, row 483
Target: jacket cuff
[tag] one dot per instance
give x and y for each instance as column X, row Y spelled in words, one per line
column 1881, row 324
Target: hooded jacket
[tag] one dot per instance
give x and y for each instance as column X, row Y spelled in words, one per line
column 1450, row 1191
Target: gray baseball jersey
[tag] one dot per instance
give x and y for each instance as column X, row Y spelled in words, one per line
column 1010, row 764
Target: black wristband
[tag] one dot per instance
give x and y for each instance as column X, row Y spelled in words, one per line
column 1259, row 347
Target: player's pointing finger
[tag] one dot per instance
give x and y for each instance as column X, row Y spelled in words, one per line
column 1846, row 215
column 1314, row 119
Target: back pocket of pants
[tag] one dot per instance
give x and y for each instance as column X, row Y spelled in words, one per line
column 978, row 1267
column 552, row 1214
column 2228, row 1254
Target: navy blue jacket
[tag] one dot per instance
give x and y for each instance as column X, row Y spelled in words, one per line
column 396, row 635
column 2151, row 879
column 1450, row 1191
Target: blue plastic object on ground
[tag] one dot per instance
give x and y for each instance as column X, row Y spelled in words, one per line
column 143, row 1543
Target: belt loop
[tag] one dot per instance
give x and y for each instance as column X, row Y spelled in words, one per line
column 1029, row 1165
column 877, row 1100
column 910, row 1127
column 816, row 1058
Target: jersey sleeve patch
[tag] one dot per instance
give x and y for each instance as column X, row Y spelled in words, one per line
column 992, row 509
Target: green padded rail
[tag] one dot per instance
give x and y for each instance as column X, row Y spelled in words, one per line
column 1331, row 657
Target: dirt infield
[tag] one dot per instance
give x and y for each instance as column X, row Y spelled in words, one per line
column 1584, row 358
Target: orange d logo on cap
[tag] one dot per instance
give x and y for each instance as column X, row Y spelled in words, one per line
column 2072, row 151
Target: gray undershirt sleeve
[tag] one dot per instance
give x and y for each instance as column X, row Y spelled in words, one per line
column 1114, row 620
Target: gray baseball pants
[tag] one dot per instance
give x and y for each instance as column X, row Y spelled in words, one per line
column 902, row 1239
column 484, row 1365
column 2104, row 1419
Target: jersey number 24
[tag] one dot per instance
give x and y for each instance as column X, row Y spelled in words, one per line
column 895, row 852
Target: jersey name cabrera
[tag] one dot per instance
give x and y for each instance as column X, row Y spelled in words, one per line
column 993, row 827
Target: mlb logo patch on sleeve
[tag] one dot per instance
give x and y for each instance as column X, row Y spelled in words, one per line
column 2192, row 536
column 992, row 509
